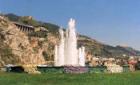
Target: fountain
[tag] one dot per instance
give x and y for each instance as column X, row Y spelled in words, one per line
column 59, row 50
column 66, row 52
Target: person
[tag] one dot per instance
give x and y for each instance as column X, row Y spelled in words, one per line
column 132, row 62
column 137, row 67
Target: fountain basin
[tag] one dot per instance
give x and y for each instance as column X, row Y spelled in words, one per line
column 65, row 69
column 72, row 69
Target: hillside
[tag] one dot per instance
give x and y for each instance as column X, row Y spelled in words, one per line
column 93, row 47
column 15, row 46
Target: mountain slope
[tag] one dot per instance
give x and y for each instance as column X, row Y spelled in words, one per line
column 16, row 47
column 92, row 46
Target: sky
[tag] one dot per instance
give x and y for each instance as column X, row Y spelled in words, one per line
column 113, row 22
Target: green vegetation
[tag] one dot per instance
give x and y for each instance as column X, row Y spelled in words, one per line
column 70, row 79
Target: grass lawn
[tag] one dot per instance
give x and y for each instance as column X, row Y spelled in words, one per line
column 70, row 79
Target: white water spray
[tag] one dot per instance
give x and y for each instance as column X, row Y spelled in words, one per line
column 66, row 53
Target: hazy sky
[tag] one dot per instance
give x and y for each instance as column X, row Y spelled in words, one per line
column 114, row 22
